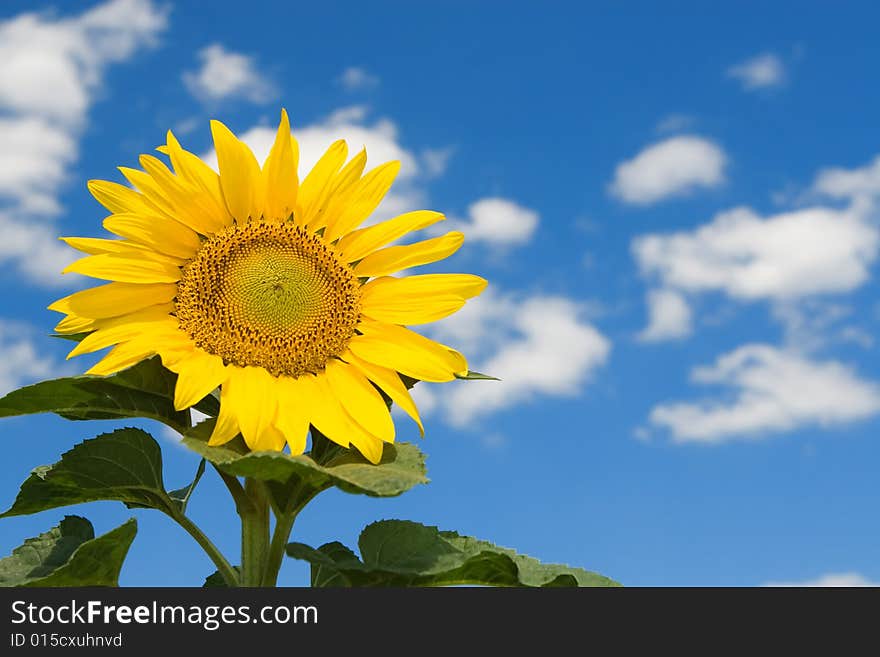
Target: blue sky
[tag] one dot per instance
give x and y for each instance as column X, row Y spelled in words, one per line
column 676, row 209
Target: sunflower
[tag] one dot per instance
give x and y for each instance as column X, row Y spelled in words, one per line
column 267, row 288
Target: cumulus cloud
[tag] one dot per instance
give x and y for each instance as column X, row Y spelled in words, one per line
column 498, row 222
column 669, row 316
column 224, row 74
column 355, row 78
column 770, row 391
column 760, row 72
column 21, row 362
column 830, row 580
column 50, row 71
column 783, row 256
column 859, row 184
column 537, row 346
column 673, row 167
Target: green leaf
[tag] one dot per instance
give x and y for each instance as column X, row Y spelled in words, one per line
column 144, row 390
column 125, row 465
column 401, row 553
column 215, row 579
column 402, row 467
column 473, row 375
column 69, row 555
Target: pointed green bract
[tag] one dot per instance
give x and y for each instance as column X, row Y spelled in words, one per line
column 401, row 553
column 69, row 555
column 473, row 375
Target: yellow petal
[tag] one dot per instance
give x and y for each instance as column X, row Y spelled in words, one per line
column 125, row 269
column 370, row 446
column 279, row 174
column 409, row 353
column 226, row 427
column 339, row 192
column 331, row 419
column 197, row 375
column 418, row 299
column 412, row 311
column 391, row 385
column 75, row 324
column 116, row 197
column 193, row 168
column 389, row 287
column 159, row 233
column 240, row 177
column 188, row 202
column 364, row 241
column 122, row 329
column 123, row 356
column 370, row 191
column 251, row 397
column 316, row 185
column 360, row 399
column 154, row 196
column 98, row 245
column 395, row 258
column 294, row 414
column 114, row 299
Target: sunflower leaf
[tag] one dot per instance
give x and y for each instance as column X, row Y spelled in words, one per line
column 402, row 467
column 69, row 555
column 402, row 553
column 125, row 465
column 144, row 390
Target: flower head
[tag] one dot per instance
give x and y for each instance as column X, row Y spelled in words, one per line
column 266, row 287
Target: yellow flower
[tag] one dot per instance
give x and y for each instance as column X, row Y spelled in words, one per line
column 265, row 286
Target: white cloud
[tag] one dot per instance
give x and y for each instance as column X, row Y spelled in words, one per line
column 669, row 316
column 21, row 362
column 783, row 256
column 854, row 184
column 497, row 221
column 540, row 345
column 436, row 160
column 355, row 78
column 51, row 68
column 225, row 74
column 771, row 391
column 760, row 72
column 33, row 162
column 50, row 71
column 674, row 167
column 35, row 247
column 830, row 580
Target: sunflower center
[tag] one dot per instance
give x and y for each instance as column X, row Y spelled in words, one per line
column 269, row 295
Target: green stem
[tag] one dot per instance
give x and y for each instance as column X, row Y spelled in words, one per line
column 283, row 526
column 254, row 534
column 223, row 567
